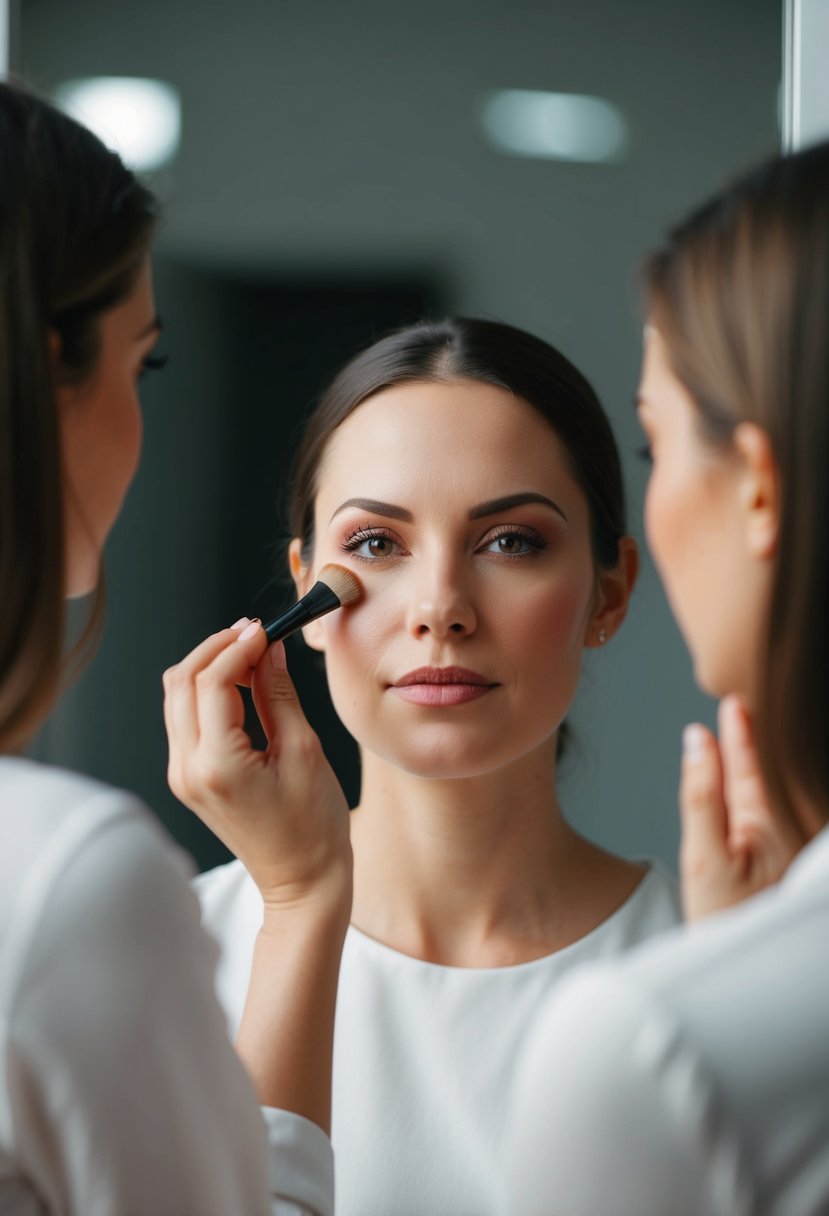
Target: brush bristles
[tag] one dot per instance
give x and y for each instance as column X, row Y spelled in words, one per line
column 345, row 585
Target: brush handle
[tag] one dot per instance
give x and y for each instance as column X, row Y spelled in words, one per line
column 319, row 600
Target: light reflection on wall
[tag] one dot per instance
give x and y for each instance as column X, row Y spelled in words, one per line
column 554, row 126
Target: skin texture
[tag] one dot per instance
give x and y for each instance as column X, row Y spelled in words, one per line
column 711, row 517
column 442, row 589
column 283, row 813
column 101, row 432
column 461, row 853
column 708, row 527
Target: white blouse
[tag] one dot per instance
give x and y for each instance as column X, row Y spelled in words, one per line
column 119, row 1091
column 424, row 1055
column 692, row 1077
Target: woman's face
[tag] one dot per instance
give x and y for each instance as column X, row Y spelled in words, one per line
column 454, row 505
column 101, row 432
column 701, row 524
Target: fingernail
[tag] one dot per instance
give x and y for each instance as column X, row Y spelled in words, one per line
column 277, row 656
column 693, row 743
column 252, row 629
column 240, row 624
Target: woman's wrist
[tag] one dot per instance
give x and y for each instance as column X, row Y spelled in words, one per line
column 324, row 900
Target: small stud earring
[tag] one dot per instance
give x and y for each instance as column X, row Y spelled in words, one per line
column 602, row 637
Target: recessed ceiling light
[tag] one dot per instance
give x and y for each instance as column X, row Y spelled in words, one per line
column 554, row 126
column 138, row 118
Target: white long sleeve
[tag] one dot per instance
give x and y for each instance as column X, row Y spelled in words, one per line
column 690, row 1077
column 121, row 1093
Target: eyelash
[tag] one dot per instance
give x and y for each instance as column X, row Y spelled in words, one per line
column 530, row 537
column 352, row 543
column 153, row 363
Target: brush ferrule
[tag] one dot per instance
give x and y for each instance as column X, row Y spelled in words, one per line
column 319, row 600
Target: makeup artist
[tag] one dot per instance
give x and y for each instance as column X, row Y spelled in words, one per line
column 693, row 1076
column 466, row 473
column 120, row 1092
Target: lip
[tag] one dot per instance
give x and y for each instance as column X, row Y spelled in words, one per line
column 442, row 675
column 442, row 686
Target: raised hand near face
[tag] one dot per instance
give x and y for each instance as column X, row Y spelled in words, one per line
column 280, row 811
column 733, row 845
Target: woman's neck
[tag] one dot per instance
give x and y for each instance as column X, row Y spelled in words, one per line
column 480, row 871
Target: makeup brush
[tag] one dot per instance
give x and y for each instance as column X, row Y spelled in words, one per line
column 335, row 587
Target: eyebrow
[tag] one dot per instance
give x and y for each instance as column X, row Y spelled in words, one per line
column 155, row 327
column 492, row 507
column 376, row 507
column 496, row 505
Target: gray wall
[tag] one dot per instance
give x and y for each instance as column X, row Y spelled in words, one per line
column 329, row 139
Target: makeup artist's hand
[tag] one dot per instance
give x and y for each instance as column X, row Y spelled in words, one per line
column 732, row 843
column 280, row 811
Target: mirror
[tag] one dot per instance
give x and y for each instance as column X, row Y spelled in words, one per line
column 334, row 179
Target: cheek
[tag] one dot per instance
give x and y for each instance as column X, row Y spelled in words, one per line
column 355, row 639
column 663, row 525
column 547, row 621
column 126, row 436
column 131, row 434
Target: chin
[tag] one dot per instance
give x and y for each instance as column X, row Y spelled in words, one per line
column 719, row 679
column 454, row 759
column 83, row 582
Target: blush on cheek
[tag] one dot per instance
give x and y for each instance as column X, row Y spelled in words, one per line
column 550, row 623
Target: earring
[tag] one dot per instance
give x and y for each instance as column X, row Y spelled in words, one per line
column 602, row 637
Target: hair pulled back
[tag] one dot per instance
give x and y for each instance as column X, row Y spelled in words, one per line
column 464, row 348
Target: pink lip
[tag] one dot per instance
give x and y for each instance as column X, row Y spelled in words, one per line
column 442, row 686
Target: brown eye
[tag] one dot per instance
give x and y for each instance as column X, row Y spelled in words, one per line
column 371, row 546
column 513, row 543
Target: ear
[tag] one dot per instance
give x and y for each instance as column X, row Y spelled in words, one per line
column 613, row 591
column 759, row 489
column 314, row 634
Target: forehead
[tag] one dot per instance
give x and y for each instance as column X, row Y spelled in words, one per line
column 462, row 435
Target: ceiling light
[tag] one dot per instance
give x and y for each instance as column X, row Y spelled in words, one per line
column 554, row 126
column 138, row 118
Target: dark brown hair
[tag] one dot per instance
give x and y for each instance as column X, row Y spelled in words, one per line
column 463, row 348
column 740, row 295
column 75, row 226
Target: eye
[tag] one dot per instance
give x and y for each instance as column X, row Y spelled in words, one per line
column 514, row 542
column 152, row 363
column 371, row 544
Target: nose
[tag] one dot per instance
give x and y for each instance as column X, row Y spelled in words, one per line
column 441, row 604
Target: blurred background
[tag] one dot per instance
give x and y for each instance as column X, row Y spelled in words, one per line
column 343, row 168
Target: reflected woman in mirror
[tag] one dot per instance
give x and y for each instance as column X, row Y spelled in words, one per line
column 466, row 473
column 693, row 1077
column 120, row 1092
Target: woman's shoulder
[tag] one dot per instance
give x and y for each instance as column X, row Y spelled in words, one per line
column 35, row 792
column 86, row 870
column 48, row 815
